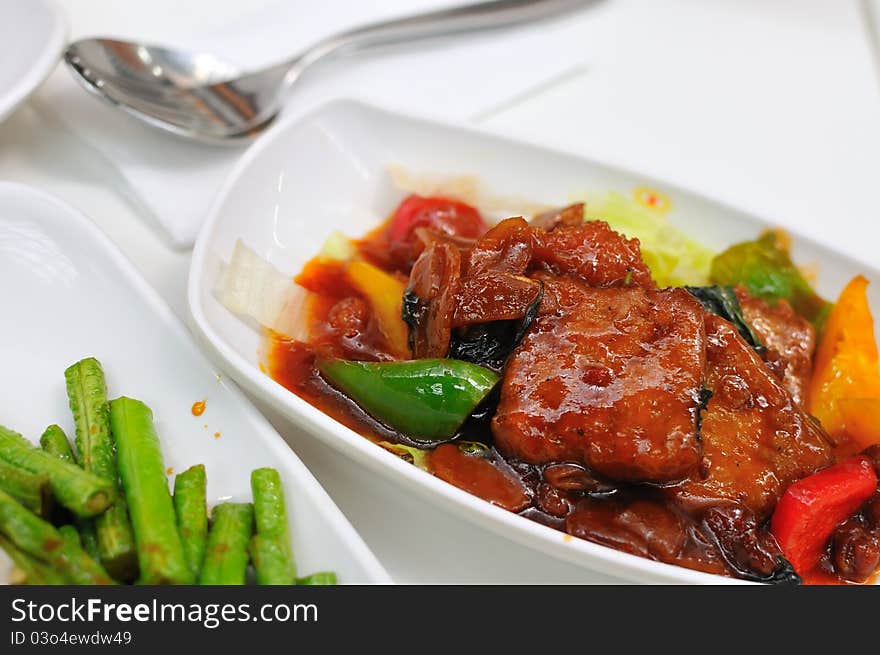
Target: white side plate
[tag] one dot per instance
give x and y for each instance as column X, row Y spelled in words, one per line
column 329, row 172
column 32, row 34
column 67, row 293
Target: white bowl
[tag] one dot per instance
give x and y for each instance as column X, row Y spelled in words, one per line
column 329, row 171
column 32, row 34
column 68, row 293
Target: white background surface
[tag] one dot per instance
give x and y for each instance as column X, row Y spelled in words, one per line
column 37, row 37
column 773, row 105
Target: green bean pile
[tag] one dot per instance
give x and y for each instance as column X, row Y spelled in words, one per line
column 103, row 513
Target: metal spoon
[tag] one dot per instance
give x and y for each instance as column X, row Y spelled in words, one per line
column 203, row 98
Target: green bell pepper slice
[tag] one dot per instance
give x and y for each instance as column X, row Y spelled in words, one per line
column 426, row 399
column 765, row 269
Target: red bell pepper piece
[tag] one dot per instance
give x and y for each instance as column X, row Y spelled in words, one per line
column 811, row 508
column 441, row 214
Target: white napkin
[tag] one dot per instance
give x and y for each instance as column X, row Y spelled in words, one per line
column 455, row 79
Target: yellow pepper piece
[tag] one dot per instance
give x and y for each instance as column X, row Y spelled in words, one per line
column 845, row 389
column 861, row 419
column 384, row 293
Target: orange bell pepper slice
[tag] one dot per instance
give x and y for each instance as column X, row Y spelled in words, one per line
column 845, row 388
column 861, row 419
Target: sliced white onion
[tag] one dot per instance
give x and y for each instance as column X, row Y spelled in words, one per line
column 253, row 287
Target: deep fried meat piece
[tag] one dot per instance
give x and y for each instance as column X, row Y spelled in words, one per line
column 494, row 297
column 648, row 527
column 749, row 549
column 570, row 216
column 506, row 248
column 789, row 334
column 612, row 379
column 431, row 295
column 491, row 481
column 349, row 316
column 425, row 237
column 493, row 285
column 574, row 477
column 561, row 295
column 756, row 440
column 855, row 550
column 640, row 527
column 594, row 253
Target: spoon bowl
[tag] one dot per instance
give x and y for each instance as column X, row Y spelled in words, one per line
column 201, row 97
column 194, row 95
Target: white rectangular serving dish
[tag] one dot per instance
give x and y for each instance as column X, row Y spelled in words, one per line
column 68, row 293
column 329, row 171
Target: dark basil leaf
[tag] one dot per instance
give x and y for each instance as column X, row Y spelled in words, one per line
column 413, row 313
column 723, row 302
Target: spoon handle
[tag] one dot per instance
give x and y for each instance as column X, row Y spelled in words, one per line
column 445, row 22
